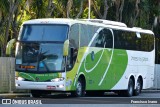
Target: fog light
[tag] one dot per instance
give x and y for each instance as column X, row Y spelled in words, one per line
column 17, row 85
column 60, row 86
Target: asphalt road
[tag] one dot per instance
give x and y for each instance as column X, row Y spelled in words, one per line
column 145, row 99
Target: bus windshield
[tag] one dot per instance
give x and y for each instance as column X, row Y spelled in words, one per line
column 40, row 48
column 44, row 32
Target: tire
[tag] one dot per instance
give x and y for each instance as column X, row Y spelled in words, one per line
column 130, row 90
column 35, row 93
column 137, row 91
column 79, row 89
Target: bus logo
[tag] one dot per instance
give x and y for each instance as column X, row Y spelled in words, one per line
column 6, row 101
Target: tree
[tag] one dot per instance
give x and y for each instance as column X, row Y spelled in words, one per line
column 7, row 18
column 119, row 5
column 103, row 5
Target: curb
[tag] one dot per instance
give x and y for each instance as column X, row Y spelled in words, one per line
column 14, row 95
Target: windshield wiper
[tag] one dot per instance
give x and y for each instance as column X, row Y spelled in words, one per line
column 39, row 59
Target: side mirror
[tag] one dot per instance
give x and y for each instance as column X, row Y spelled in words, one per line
column 65, row 48
column 10, row 48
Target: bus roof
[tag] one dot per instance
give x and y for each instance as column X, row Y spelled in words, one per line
column 106, row 22
column 95, row 22
column 51, row 21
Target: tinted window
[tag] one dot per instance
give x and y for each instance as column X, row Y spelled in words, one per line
column 130, row 41
column 45, row 57
column 124, row 40
column 41, row 32
column 108, row 38
column 74, row 36
column 103, row 39
column 92, row 30
column 84, row 35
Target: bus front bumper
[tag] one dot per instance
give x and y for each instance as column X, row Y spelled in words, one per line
column 55, row 86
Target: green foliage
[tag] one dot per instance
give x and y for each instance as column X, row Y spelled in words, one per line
column 39, row 7
column 85, row 14
column 4, row 4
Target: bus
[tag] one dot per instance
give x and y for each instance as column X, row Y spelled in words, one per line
column 83, row 57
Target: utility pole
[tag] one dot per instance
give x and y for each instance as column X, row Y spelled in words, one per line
column 89, row 9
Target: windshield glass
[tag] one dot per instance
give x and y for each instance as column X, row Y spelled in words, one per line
column 40, row 57
column 44, row 32
column 40, row 48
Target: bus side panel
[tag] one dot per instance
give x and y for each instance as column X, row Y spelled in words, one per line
column 139, row 64
column 102, row 70
column 72, row 75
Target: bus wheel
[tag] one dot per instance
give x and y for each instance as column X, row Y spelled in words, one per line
column 129, row 91
column 35, row 93
column 137, row 91
column 79, row 89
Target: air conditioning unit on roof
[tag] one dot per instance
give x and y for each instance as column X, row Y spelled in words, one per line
column 107, row 22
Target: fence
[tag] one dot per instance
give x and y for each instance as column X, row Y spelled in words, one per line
column 7, row 78
column 7, row 75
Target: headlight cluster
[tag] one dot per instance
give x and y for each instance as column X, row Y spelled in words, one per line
column 57, row 79
column 19, row 78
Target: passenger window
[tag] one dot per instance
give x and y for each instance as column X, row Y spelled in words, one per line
column 74, row 36
column 131, row 41
column 108, row 38
column 103, row 39
column 84, row 36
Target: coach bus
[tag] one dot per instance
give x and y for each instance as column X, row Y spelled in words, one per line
column 81, row 56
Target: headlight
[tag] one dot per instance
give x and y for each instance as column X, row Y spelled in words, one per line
column 57, row 79
column 20, row 78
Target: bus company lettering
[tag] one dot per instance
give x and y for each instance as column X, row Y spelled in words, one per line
column 15, row 101
column 141, row 59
